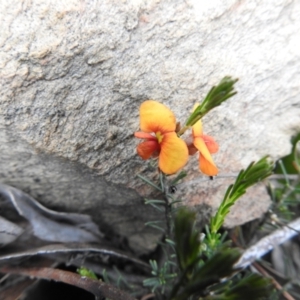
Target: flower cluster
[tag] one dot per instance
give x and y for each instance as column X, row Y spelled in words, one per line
column 162, row 140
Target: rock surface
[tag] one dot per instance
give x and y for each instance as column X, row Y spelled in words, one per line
column 74, row 73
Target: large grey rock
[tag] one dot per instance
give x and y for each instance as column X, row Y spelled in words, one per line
column 74, row 73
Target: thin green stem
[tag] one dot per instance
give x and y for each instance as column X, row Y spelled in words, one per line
column 183, row 130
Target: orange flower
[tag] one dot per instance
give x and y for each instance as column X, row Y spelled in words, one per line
column 206, row 145
column 172, row 151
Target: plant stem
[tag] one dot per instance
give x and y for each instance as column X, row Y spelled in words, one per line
column 275, row 282
column 168, row 217
column 183, row 130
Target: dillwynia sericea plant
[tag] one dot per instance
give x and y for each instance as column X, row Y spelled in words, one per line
column 195, row 265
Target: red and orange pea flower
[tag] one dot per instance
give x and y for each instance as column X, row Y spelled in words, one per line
column 206, row 145
column 171, row 150
column 158, row 125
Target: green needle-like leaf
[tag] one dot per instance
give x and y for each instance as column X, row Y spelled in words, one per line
column 181, row 175
column 216, row 96
column 213, row 271
column 254, row 173
column 149, row 182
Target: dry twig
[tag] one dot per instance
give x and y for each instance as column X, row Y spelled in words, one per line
column 96, row 287
column 285, row 294
column 268, row 243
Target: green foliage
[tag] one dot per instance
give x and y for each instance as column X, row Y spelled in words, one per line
column 200, row 276
column 194, row 268
column 198, row 267
column 216, row 96
column 254, row 173
column 290, row 161
column 210, row 272
column 157, row 204
column 149, row 182
column 186, row 239
column 250, row 287
column 285, row 192
column 155, row 224
column 180, row 176
column 162, row 276
column 82, row 271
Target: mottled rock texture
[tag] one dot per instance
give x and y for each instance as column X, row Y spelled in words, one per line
column 73, row 74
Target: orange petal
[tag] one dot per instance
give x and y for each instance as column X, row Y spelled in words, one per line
column 173, row 154
column 144, row 135
column 146, row 149
column 197, row 129
column 201, row 146
column 211, row 144
column 156, row 117
column 207, row 167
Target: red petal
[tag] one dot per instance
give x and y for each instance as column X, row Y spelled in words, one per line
column 147, row 148
column 144, row 135
column 211, row 144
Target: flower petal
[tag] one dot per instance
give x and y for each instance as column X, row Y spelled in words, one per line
column 173, row 154
column 156, row 117
column 207, row 167
column 144, row 135
column 210, row 143
column 197, row 129
column 146, row 149
column 201, row 146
